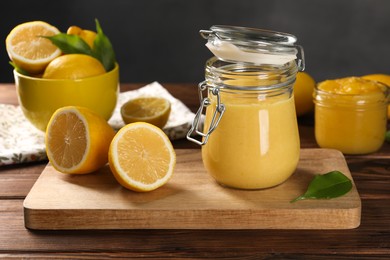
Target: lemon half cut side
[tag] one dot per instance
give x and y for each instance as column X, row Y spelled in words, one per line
column 77, row 140
column 141, row 157
column 28, row 49
column 153, row 110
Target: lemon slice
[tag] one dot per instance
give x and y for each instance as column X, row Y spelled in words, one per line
column 141, row 157
column 28, row 49
column 77, row 140
column 151, row 110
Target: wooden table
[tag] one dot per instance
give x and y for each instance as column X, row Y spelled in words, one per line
column 369, row 241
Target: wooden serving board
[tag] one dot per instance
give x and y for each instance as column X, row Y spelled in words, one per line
column 190, row 200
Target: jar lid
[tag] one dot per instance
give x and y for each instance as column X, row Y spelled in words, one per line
column 234, row 43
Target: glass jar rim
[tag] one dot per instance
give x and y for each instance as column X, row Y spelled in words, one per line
column 279, row 45
column 289, row 71
column 323, row 97
column 251, row 35
column 385, row 90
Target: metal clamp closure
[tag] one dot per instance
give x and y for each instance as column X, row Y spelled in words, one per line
column 218, row 113
column 206, row 33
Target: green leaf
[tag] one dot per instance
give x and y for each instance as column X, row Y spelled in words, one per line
column 18, row 69
column 69, row 43
column 327, row 186
column 388, row 136
column 102, row 49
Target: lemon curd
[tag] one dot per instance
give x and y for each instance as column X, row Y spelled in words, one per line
column 256, row 144
column 351, row 115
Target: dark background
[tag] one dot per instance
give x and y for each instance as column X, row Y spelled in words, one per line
column 159, row 39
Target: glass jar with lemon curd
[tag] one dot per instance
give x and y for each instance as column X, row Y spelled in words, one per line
column 250, row 136
column 351, row 114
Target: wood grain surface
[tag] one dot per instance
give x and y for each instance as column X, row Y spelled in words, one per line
column 371, row 174
column 191, row 200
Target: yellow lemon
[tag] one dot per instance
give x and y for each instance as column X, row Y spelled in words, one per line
column 383, row 78
column 87, row 35
column 73, row 66
column 303, row 93
column 28, row 49
column 78, row 140
column 152, row 110
column 141, row 157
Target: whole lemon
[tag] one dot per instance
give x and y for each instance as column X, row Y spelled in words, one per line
column 303, row 93
column 87, row 35
column 73, row 66
column 382, row 78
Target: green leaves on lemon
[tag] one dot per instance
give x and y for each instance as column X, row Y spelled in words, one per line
column 73, row 44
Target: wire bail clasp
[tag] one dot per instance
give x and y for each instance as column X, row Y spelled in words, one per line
column 218, row 113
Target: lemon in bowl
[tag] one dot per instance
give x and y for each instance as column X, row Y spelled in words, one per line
column 39, row 97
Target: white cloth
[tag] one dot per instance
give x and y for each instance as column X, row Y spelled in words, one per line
column 21, row 142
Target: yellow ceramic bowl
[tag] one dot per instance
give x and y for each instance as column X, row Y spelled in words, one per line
column 40, row 98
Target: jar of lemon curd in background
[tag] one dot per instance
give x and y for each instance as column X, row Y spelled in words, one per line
column 351, row 114
column 250, row 136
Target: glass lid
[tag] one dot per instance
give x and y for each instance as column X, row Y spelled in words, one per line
column 235, row 43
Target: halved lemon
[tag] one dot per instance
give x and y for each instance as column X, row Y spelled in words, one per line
column 153, row 110
column 77, row 140
column 141, row 157
column 28, row 49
